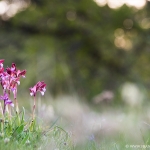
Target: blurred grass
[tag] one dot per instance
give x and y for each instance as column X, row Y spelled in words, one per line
column 90, row 127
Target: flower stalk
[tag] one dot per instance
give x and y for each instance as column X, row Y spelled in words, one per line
column 38, row 87
column 34, row 105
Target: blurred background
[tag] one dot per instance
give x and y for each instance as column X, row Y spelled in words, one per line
column 94, row 55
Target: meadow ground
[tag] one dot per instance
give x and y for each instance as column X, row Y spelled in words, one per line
column 70, row 124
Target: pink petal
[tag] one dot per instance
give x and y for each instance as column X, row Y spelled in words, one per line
column 1, row 60
column 12, row 104
column 31, row 94
column 42, row 92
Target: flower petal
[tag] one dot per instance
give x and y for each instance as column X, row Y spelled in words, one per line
column 9, row 102
column 42, row 92
column 31, row 94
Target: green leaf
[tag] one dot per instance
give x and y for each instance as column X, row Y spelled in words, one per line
column 25, row 139
column 18, row 130
column 23, row 113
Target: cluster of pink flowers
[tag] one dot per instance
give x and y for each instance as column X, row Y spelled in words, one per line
column 10, row 79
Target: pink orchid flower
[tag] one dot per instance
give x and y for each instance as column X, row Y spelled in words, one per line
column 6, row 100
column 10, row 80
column 40, row 86
column 12, row 71
column 21, row 73
column 14, row 78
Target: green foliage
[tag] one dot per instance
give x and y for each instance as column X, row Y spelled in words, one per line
column 29, row 135
column 16, row 133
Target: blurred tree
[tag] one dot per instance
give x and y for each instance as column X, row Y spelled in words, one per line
column 77, row 45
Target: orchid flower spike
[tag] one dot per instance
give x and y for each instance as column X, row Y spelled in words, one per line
column 40, row 86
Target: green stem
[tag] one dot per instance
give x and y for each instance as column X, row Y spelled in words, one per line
column 33, row 113
column 16, row 105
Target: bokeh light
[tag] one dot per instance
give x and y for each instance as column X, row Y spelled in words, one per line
column 9, row 9
column 121, row 40
column 3, row 7
column 101, row 2
column 128, row 23
column 145, row 23
column 115, row 3
column 139, row 4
